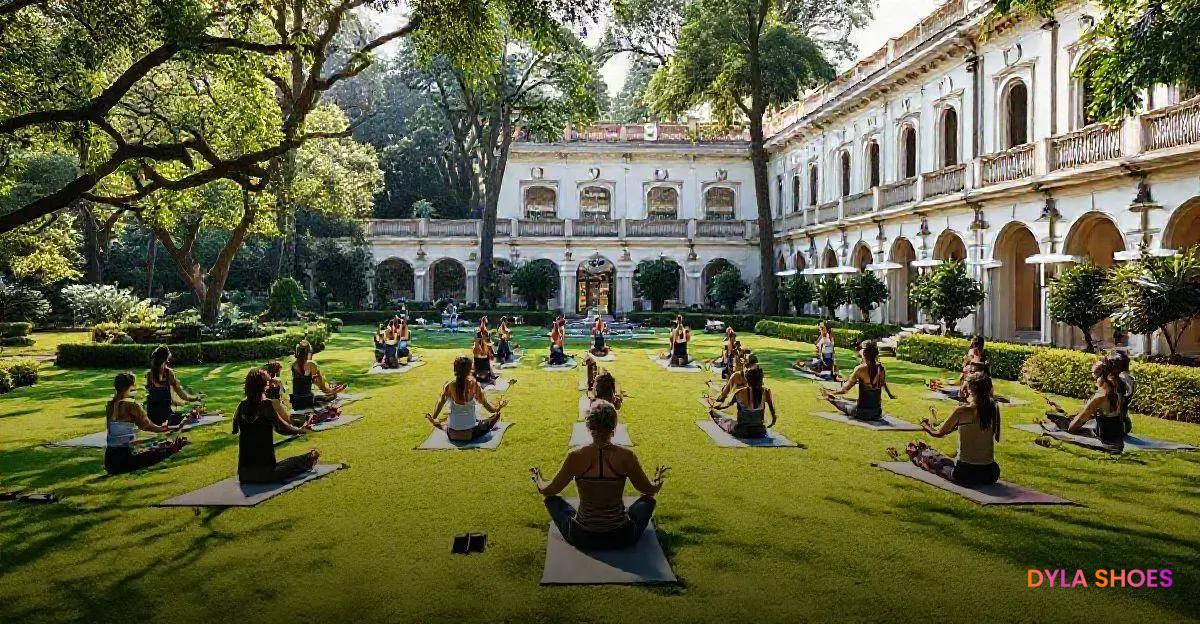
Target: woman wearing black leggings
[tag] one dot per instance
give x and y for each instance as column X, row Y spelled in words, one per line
column 256, row 419
column 125, row 417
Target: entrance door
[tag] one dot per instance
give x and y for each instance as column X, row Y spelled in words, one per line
column 595, row 292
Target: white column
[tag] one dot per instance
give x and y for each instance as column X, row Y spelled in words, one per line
column 1043, row 294
column 421, row 283
column 472, row 285
column 625, row 289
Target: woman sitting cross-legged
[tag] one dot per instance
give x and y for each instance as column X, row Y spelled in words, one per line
column 558, row 345
column 380, row 343
column 404, row 354
column 504, row 350
column 752, row 401
column 276, row 392
column 679, row 343
column 973, row 359
column 599, row 348
column 305, row 374
column 605, row 389
column 1105, row 407
column 481, row 350
column 871, row 379
column 978, row 424
column 825, row 364
column 463, row 394
column 599, row 470
column 161, row 389
column 124, row 417
column 737, row 378
column 255, row 421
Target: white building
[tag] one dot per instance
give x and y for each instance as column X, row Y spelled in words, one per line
column 942, row 144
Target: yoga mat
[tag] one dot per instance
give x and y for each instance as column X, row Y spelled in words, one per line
column 100, row 439
column 1131, row 442
column 643, row 563
column 500, row 385
column 231, row 493
column 811, row 377
column 437, row 440
column 585, row 404
column 725, row 440
column 513, row 364
column 325, row 426
column 342, row 401
column 571, row 363
column 998, row 493
column 379, row 370
column 611, row 357
column 583, row 385
column 942, row 396
column 580, row 436
column 692, row 367
column 887, row 423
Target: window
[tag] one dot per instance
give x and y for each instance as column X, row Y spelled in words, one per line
column 595, row 203
column 540, row 202
column 778, row 195
column 873, row 164
column 949, row 137
column 908, row 149
column 718, row 203
column 844, row 159
column 796, row 193
column 812, row 185
column 1016, row 114
column 662, row 202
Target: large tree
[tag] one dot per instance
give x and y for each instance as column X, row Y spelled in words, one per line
column 743, row 57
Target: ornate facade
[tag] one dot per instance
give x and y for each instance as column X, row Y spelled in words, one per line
column 943, row 144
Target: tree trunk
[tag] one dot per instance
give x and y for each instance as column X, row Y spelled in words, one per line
column 93, row 268
column 151, row 260
column 1087, row 338
column 216, row 276
column 766, row 232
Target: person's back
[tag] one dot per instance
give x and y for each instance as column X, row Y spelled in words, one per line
column 462, row 407
column 120, row 430
column 602, row 488
column 254, row 422
column 976, row 445
column 869, row 405
column 751, row 413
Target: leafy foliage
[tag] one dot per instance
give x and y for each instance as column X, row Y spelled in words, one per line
column 20, row 304
column 91, row 304
column 656, row 280
column 728, row 288
column 1156, row 294
column 536, row 282
column 1075, row 298
column 285, row 297
column 1005, row 359
column 947, row 293
column 830, row 294
column 866, row 291
column 799, row 291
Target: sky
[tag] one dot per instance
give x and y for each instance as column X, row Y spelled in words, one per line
column 892, row 18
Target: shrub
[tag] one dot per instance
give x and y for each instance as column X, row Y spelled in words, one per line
column 1163, row 390
column 285, row 297
column 19, row 304
column 728, row 289
column 1075, row 298
column 830, row 294
column 13, row 330
column 947, row 352
column 333, row 324
column 1157, row 294
column 6, row 384
column 16, row 341
column 842, row 336
column 136, row 355
column 536, row 282
column 92, row 303
column 866, row 291
column 799, row 291
column 947, row 293
column 17, row 373
column 656, row 280
column 105, row 332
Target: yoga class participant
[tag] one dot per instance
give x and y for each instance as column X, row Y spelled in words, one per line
column 605, row 389
column 380, row 343
column 825, row 364
column 1119, row 370
column 752, row 401
column 599, row 349
column 729, row 352
column 504, row 352
column 591, row 368
column 403, row 342
column 483, row 329
column 972, row 360
column 599, row 470
column 276, row 391
column 391, row 339
column 1104, row 407
column 681, row 335
column 160, row 382
column 463, row 394
column 306, row 373
column 124, row 417
column 481, row 350
column 737, row 378
column 978, row 424
column 558, row 352
column 254, row 422
column 871, row 379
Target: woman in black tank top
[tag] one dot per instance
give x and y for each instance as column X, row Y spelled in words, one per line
column 1105, row 408
column 600, row 470
column 871, row 379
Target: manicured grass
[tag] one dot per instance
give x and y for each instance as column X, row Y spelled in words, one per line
column 781, row 535
column 45, row 343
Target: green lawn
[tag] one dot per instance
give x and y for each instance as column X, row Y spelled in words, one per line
column 45, row 343
column 764, row 534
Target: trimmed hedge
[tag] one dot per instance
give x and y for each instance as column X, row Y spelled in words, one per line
column 14, row 330
column 1163, row 390
column 947, row 352
column 16, row 341
column 17, row 373
column 749, row 322
column 842, row 337
column 134, row 355
column 374, row 317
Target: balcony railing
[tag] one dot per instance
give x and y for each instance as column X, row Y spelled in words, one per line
column 857, row 204
column 1011, row 164
column 827, row 212
column 720, row 229
column 944, row 181
column 1092, row 144
column 658, row 228
column 1173, row 126
column 897, row 193
column 452, row 227
column 540, row 227
column 594, row 228
column 503, row 228
column 394, row 227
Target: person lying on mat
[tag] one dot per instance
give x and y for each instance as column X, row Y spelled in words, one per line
column 558, row 348
column 599, row 470
column 679, row 345
column 1104, row 407
column 606, row 390
column 978, row 425
column 504, row 351
column 752, row 401
column 162, row 386
column 871, row 379
column 306, row 374
column 463, row 394
column 482, row 352
column 123, row 418
column 254, row 422
column 599, row 348
column 276, row 392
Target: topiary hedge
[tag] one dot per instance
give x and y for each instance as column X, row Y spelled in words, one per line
column 15, row 330
column 17, row 373
column 843, row 337
column 947, row 352
column 134, row 355
column 749, row 322
column 17, row 341
column 374, row 317
column 1171, row 392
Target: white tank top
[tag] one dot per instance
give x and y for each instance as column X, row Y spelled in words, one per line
column 462, row 416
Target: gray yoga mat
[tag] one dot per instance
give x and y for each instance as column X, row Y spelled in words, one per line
column 887, row 423
column 724, row 440
column 811, row 377
column 942, row 396
column 998, row 493
column 643, row 563
column 342, row 401
column 580, row 436
column 571, row 363
column 500, row 385
column 693, row 366
column 582, row 385
column 379, row 370
column 437, row 440
column 513, row 364
column 585, row 405
column 1131, row 442
column 231, row 493
column 611, row 357
column 100, row 439
column 325, row 426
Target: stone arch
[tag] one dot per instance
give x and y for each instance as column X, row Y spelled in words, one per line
column 662, row 202
column 1014, row 113
column 719, row 203
column 844, row 170
column 949, row 246
column 908, row 151
column 448, row 279
column 814, row 188
column 1096, row 238
column 948, row 137
column 395, row 281
column 676, row 298
column 862, row 256
column 801, row 262
column 540, row 202
column 829, row 258
column 874, row 176
column 596, row 285
column 900, row 282
column 1015, row 288
column 1183, row 228
column 595, row 203
column 715, row 267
